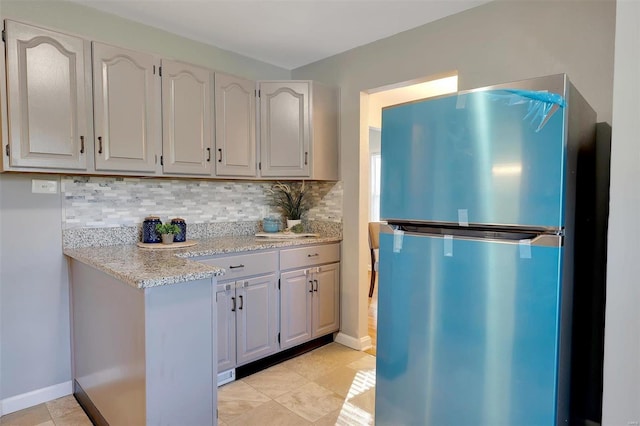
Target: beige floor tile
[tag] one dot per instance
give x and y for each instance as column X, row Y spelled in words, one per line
column 339, row 380
column 365, row 401
column 47, row 423
column 237, row 398
column 340, row 353
column 347, row 415
column 269, row 414
column 27, row 417
column 62, row 406
column 367, row 362
column 310, row 401
column 275, row 381
column 73, row 418
column 311, row 366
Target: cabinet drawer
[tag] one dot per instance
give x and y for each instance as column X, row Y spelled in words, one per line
column 244, row 265
column 307, row 256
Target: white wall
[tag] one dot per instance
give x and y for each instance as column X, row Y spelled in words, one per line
column 34, row 312
column 496, row 42
column 621, row 401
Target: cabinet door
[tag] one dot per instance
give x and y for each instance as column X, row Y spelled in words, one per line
column 295, row 308
column 47, row 98
column 326, row 304
column 186, row 119
column 126, row 109
column 226, row 326
column 256, row 318
column 284, row 129
column 235, row 126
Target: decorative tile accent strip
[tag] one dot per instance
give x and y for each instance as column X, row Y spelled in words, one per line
column 103, row 202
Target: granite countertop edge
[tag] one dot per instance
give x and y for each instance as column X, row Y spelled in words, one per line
column 139, row 268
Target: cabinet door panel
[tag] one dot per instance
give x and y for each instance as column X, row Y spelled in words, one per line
column 284, row 128
column 256, row 318
column 235, row 126
column 186, row 118
column 226, row 327
column 48, row 102
column 295, row 308
column 125, row 109
column 326, row 308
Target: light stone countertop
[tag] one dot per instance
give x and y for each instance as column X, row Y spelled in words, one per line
column 143, row 268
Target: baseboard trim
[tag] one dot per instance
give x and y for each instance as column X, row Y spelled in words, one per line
column 359, row 344
column 38, row 396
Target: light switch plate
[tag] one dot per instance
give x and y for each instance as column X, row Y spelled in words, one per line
column 39, row 186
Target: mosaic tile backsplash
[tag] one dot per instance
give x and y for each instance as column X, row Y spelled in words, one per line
column 107, row 202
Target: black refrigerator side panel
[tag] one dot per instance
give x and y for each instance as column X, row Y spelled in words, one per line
column 590, row 276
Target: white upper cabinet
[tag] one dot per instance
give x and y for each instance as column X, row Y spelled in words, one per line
column 186, row 119
column 284, row 129
column 235, row 153
column 298, row 130
column 49, row 104
column 126, row 109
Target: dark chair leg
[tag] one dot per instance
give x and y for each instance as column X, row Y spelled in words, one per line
column 373, row 273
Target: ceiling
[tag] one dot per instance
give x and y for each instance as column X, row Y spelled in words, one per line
column 288, row 34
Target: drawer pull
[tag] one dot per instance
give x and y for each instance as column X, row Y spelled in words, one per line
column 313, row 255
column 99, row 144
column 241, row 303
column 81, row 144
column 316, row 283
column 233, row 308
column 237, row 266
column 311, row 287
column 208, row 154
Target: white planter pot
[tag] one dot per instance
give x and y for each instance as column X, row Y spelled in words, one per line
column 291, row 222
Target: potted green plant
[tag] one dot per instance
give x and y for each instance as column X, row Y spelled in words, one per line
column 168, row 232
column 292, row 200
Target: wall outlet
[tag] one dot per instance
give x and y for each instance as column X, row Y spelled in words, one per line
column 39, row 186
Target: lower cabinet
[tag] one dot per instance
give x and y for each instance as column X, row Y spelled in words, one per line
column 309, row 293
column 247, row 320
column 309, row 304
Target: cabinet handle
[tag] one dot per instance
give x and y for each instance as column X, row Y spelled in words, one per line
column 233, row 308
column 99, row 144
column 316, row 283
column 313, row 255
column 306, row 158
column 208, row 154
column 311, row 288
column 219, row 155
column 237, row 266
column 241, row 303
column 81, row 144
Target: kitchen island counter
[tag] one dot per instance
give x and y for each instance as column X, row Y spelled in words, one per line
column 144, row 268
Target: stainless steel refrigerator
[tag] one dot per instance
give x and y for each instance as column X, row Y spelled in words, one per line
column 476, row 272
